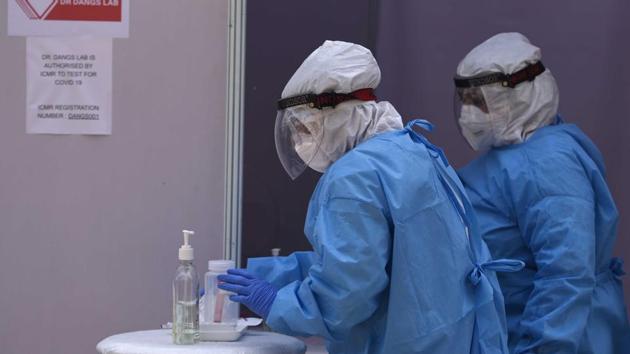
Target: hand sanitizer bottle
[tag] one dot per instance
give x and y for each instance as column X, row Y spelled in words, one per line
column 186, row 296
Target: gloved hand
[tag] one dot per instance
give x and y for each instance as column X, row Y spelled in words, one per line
column 257, row 294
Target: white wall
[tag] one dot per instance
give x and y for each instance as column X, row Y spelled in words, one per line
column 90, row 226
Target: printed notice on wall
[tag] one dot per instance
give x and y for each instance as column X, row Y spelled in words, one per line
column 69, row 85
column 102, row 18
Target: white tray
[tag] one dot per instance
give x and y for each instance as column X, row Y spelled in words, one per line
column 207, row 334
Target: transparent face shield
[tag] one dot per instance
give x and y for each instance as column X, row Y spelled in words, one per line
column 299, row 129
column 472, row 104
column 469, row 96
column 298, row 137
column 473, row 117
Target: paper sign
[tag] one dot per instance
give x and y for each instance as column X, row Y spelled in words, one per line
column 69, row 85
column 104, row 18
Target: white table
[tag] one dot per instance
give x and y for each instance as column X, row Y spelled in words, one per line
column 160, row 342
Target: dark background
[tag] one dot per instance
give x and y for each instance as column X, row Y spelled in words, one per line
column 418, row 45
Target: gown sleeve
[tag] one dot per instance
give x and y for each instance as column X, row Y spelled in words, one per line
column 555, row 208
column 280, row 271
column 348, row 279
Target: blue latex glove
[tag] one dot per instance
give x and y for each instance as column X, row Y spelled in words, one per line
column 257, row 294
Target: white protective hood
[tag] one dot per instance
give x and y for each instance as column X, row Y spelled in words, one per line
column 513, row 113
column 339, row 67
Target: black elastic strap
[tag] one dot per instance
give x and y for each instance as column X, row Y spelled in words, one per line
column 528, row 73
column 327, row 99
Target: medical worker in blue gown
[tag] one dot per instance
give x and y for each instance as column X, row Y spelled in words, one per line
column 397, row 264
column 541, row 196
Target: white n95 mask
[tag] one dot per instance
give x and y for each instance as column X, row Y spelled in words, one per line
column 316, row 159
column 476, row 127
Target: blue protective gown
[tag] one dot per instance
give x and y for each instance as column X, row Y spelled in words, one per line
column 545, row 201
column 392, row 269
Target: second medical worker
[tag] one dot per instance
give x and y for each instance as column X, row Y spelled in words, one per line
column 541, row 196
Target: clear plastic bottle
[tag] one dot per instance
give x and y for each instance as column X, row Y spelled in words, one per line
column 219, row 309
column 186, row 296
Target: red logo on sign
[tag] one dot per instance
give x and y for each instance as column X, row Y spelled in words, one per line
column 72, row 10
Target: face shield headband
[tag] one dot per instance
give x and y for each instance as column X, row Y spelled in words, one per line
column 326, row 99
column 528, row 73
